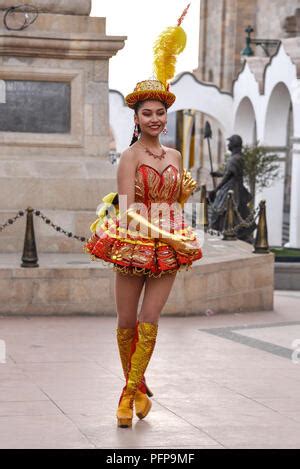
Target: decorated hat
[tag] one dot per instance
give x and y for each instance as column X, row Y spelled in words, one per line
column 170, row 43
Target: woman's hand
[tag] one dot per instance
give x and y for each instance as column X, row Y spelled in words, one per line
column 188, row 185
column 184, row 247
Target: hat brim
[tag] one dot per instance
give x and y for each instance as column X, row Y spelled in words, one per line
column 164, row 96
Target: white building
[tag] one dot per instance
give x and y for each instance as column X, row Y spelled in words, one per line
column 264, row 105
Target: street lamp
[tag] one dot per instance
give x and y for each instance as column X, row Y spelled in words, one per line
column 264, row 43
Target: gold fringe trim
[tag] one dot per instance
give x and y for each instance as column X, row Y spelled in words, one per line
column 136, row 271
column 142, row 271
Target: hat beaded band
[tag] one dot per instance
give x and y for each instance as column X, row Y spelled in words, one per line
column 166, row 97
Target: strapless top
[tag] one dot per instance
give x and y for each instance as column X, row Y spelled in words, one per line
column 153, row 186
column 130, row 250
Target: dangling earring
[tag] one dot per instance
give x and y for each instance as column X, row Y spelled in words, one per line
column 136, row 131
column 165, row 131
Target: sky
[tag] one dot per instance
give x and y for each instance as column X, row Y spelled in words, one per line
column 142, row 21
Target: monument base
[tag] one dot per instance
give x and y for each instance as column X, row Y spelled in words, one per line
column 229, row 279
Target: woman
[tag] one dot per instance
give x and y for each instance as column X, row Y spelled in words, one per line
column 147, row 173
column 148, row 248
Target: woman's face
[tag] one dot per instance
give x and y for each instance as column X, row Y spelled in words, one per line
column 151, row 117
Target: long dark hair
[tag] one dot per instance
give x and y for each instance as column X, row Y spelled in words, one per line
column 136, row 109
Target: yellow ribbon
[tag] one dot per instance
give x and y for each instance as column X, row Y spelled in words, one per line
column 108, row 200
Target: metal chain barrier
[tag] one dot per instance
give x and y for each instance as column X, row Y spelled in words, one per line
column 11, row 221
column 46, row 220
column 247, row 223
column 243, row 223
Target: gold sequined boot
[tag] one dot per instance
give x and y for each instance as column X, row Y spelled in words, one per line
column 141, row 353
column 125, row 339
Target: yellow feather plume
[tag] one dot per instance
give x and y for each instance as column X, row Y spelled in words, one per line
column 170, row 43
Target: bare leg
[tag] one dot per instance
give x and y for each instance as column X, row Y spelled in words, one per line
column 157, row 291
column 127, row 293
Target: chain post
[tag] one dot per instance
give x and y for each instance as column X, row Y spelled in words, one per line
column 29, row 258
column 229, row 232
column 261, row 244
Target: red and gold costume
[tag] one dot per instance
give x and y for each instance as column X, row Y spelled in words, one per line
column 136, row 253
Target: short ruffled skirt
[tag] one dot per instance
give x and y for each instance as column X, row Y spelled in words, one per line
column 134, row 254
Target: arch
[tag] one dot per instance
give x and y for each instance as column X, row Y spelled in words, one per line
column 278, row 116
column 278, row 108
column 245, row 121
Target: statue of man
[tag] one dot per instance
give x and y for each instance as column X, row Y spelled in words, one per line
column 232, row 179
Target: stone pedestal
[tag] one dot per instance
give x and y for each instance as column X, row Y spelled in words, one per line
column 54, row 124
column 229, row 278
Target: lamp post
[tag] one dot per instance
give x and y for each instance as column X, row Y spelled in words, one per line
column 264, row 43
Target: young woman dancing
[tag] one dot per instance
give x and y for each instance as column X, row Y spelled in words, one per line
column 145, row 249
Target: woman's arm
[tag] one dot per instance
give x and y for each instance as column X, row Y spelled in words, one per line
column 126, row 186
column 126, row 175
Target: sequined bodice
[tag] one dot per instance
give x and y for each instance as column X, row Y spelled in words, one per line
column 153, row 186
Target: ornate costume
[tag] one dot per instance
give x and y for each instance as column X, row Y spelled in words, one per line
column 165, row 244
column 136, row 253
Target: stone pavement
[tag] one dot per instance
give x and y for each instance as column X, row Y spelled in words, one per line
column 221, row 381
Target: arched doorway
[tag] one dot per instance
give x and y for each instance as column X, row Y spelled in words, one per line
column 277, row 137
column 245, row 122
column 186, row 134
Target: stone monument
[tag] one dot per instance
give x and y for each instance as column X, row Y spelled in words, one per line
column 232, row 179
column 54, row 121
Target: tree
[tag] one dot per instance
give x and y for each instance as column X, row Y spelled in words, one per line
column 261, row 168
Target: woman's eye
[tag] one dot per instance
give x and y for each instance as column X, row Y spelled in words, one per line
column 149, row 115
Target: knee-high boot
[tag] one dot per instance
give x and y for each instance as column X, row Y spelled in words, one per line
column 126, row 338
column 141, row 351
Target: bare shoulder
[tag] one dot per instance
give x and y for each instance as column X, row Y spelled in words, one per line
column 128, row 159
column 175, row 153
column 172, row 151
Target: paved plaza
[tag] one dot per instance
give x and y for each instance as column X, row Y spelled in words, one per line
column 219, row 381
